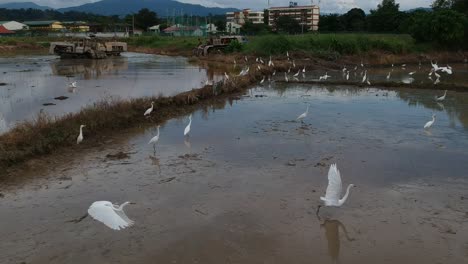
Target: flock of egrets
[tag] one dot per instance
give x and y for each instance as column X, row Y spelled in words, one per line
column 114, row 217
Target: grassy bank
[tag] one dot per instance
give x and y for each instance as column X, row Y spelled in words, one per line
column 312, row 44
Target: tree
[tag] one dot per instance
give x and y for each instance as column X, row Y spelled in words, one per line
column 331, row 23
column 250, row 28
column 288, row 24
column 220, row 25
column 354, row 20
column 266, row 16
column 144, row 19
column 445, row 27
column 386, row 18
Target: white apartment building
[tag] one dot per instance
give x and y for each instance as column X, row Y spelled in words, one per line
column 245, row 15
column 308, row 16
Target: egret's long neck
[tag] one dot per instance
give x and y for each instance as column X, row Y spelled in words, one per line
column 445, row 93
column 81, row 130
column 343, row 200
column 122, row 205
column 158, row 131
column 190, row 120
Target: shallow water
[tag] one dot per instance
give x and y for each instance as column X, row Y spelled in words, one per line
column 34, row 82
column 410, row 74
column 243, row 188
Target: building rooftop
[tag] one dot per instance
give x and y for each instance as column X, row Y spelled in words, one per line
column 39, row 23
column 291, row 7
column 3, row 30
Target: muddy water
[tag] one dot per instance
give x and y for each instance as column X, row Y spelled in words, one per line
column 243, row 188
column 33, row 82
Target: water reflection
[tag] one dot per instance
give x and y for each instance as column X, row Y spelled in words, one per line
column 89, row 69
column 34, row 82
column 332, row 233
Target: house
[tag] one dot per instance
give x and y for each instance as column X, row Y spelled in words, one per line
column 154, row 29
column 307, row 16
column 209, row 28
column 45, row 25
column 14, row 26
column 76, row 26
column 5, row 32
column 180, row 30
column 233, row 28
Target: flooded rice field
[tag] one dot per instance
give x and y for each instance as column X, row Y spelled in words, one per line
column 245, row 185
column 37, row 84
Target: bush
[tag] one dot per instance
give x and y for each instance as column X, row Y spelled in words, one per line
column 234, row 46
column 445, row 27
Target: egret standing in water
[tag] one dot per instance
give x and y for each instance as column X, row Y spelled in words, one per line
column 154, row 140
column 334, row 189
column 187, row 128
column 110, row 214
column 303, row 115
column 442, row 97
column 149, row 110
column 72, row 84
column 80, row 136
column 430, row 123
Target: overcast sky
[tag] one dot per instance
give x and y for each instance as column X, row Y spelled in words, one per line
column 327, row 6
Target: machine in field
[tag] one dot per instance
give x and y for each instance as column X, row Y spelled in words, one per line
column 90, row 47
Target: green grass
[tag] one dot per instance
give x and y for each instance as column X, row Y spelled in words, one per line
column 170, row 43
column 341, row 44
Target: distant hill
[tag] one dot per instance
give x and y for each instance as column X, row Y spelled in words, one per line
column 23, row 5
column 162, row 7
column 428, row 9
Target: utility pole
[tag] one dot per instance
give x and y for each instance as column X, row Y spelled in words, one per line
column 133, row 24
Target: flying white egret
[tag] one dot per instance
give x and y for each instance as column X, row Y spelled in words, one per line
column 435, row 67
column 80, row 136
column 187, row 128
column 334, row 189
column 149, row 110
column 154, row 140
column 109, row 214
column 303, row 115
column 430, row 123
column 446, row 69
column 297, row 74
column 286, row 77
column 441, row 98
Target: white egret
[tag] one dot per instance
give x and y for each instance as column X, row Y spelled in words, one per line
column 286, row 77
column 297, row 74
column 287, row 54
column 289, row 70
column 303, row 115
column 72, row 84
column 256, row 59
column 436, row 74
column 367, row 81
column 245, row 58
column 344, row 69
column 365, row 77
column 109, row 214
column 303, row 70
column 258, row 67
column 435, row 67
column 274, row 73
column 441, row 98
column 362, row 64
column 347, row 75
column 294, row 64
column 261, row 61
column 187, row 128
column 80, row 136
column 437, row 81
column 388, row 75
column 263, row 79
column 226, row 76
column 149, row 110
column 430, row 123
column 411, row 73
column 270, row 62
column 235, row 62
column 334, row 189
column 154, row 140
